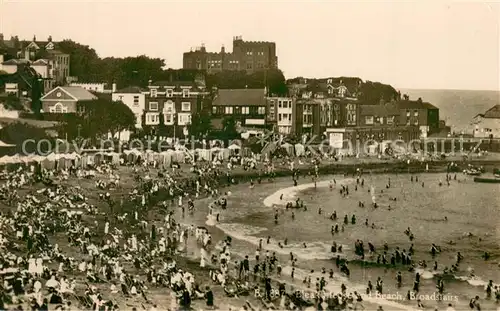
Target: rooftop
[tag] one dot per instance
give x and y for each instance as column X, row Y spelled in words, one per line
column 79, row 93
column 379, row 110
column 130, row 90
column 493, row 112
column 240, row 97
column 415, row 104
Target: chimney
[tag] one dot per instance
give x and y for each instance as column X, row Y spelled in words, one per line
column 1, row 37
column 113, row 87
column 34, row 38
column 49, row 39
column 223, row 49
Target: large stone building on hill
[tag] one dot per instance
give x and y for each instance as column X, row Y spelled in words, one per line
column 250, row 56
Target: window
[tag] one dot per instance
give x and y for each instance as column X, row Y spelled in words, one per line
column 58, row 108
column 290, row 117
column 415, row 121
column 368, row 119
column 249, row 65
column 270, row 115
column 170, row 93
column 185, row 93
column 214, row 110
column 408, row 122
column 228, row 110
column 381, row 120
column 186, row 106
column 415, row 113
column 285, row 104
column 407, row 113
column 261, row 110
column 279, row 117
column 136, row 101
column 280, row 104
column 152, row 119
column 168, row 107
column 390, row 120
column 245, row 110
column 153, row 106
column 168, row 118
column 154, row 92
column 307, row 119
column 237, row 110
column 184, row 118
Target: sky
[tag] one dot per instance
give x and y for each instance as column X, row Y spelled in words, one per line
column 421, row 45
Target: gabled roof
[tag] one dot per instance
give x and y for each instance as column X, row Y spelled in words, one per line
column 76, row 92
column 41, row 62
column 175, row 84
column 240, row 97
column 15, row 62
column 415, row 104
column 493, row 112
column 379, row 110
column 130, row 90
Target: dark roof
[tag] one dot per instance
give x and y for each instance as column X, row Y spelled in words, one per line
column 130, row 90
column 493, row 112
column 173, row 83
column 240, row 97
column 15, row 62
column 415, row 104
column 379, row 110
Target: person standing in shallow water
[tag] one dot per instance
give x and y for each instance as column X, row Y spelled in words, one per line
column 209, row 296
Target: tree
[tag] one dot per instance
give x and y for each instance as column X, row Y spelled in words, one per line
column 25, row 137
column 229, row 128
column 36, row 94
column 201, row 124
column 83, row 59
column 103, row 116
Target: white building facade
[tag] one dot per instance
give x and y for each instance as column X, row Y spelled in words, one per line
column 135, row 99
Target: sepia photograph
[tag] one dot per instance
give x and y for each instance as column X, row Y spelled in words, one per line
column 249, row 155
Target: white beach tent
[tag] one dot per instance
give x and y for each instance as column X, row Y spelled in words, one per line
column 16, row 159
column 299, row 150
column 234, row 149
column 166, row 158
column 204, row 154
column 50, row 161
column 132, row 154
column 289, row 148
column 5, row 160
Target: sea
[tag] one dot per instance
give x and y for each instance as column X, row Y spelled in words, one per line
column 457, row 107
column 461, row 217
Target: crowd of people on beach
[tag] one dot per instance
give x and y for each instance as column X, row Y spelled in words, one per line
column 69, row 247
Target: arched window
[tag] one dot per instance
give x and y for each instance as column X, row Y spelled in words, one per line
column 58, row 108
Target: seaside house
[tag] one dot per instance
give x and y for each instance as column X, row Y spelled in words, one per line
column 421, row 114
column 65, row 99
column 247, row 106
column 135, row 98
column 487, row 125
column 281, row 113
column 170, row 105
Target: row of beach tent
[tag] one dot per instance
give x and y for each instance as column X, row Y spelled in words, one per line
column 164, row 158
